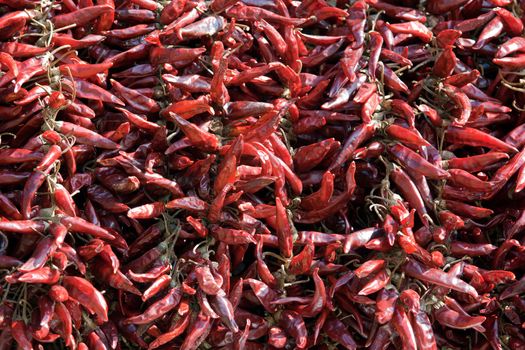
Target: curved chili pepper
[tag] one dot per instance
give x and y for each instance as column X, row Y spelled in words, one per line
column 337, row 331
column 516, row 44
column 43, row 250
column 293, row 324
column 410, row 192
column 283, row 230
column 197, row 137
column 140, row 121
column 401, row 324
column 264, row 294
column 224, row 309
column 115, row 279
column 158, row 308
column 423, row 330
column 360, row 134
column 207, row 282
column 90, row 298
column 302, row 262
column 453, row 319
column 197, row 332
column 46, row 310
column 438, row 277
column 19, row 332
column 319, row 298
column 516, row 288
column 66, row 324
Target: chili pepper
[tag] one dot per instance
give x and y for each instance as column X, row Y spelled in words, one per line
column 58, row 293
column 207, row 26
column 152, row 274
column 105, row 199
column 403, row 327
column 360, row 134
column 115, row 279
column 468, row 210
column 438, row 277
column 308, row 157
column 66, row 328
column 386, row 300
column 207, row 281
column 404, row 13
column 22, row 226
column 277, row 337
column 86, row 136
column 158, row 308
column 187, row 203
column 473, row 137
column 82, row 16
column 471, row 249
column 224, row 309
column 406, row 136
column 232, row 236
column 147, row 211
column 514, row 289
column 19, row 333
column 135, row 100
column 44, row 275
column 294, row 325
column 37, row 178
column 46, row 310
column 263, row 293
column 376, row 41
column 252, row 13
column 369, row 267
column 370, row 107
column 516, row 44
column 356, row 22
column 377, row 282
column 336, row 204
column 172, row 10
column 43, row 250
column 423, row 330
column 262, row 268
column 90, row 298
column 410, row 192
column 183, row 20
column 198, row 330
column 516, row 62
column 80, row 225
column 197, row 137
column 318, row 300
column 475, row 163
column 453, row 319
column 320, row 198
column 337, row 331
column 414, row 28
column 416, row 163
column 284, row 230
column 60, row 39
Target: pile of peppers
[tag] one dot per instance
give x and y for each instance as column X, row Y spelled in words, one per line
column 262, row 174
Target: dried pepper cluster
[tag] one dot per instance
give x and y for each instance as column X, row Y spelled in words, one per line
column 262, row 174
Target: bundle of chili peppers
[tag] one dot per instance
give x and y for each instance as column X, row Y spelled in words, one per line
column 262, row 174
